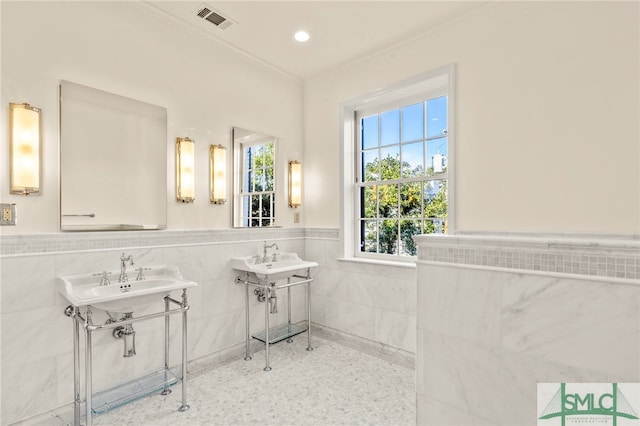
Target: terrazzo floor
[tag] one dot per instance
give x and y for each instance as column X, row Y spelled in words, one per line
column 331, row 385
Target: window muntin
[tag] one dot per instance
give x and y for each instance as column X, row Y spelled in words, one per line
column 402, row 182
column 258, row 185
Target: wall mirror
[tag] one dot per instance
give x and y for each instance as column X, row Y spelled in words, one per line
column 113, row 161
column 254, row 183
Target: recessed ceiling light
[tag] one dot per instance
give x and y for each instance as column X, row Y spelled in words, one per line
column 301, row 36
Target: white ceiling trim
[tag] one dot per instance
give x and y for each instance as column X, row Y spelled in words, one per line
column 233, row 49
column 480, row 9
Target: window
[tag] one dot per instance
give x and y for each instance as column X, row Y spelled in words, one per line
column 401, row 186
column 258, row 185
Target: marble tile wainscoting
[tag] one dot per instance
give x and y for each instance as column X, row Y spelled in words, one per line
column 498, row 314
column 37, row 340
column 371, row 308
column 374, row 304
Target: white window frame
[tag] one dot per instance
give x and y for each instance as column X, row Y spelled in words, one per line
column 241, row 182
column 438, row 82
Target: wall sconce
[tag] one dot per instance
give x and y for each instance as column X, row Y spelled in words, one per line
column 218, row 178
column 24, row 122
column 295, row 184
column 185, row 170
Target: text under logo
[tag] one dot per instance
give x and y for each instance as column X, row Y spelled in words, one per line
column 588, row 403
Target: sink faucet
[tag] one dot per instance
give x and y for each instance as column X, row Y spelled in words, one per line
column 123, row 268
column 264, row 252
column 141, row 276
column 104, row 277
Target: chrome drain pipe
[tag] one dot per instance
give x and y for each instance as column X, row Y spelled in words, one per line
column 128, row 335
column 267, row 294
column 273, row 301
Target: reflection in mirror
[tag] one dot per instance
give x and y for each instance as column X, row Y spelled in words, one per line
column 113, row 161
column 254, row 179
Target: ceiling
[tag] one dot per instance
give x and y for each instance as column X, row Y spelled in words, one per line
column 341, row 31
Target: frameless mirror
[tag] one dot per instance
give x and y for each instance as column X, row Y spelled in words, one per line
column 254, row 183
column 113, row 161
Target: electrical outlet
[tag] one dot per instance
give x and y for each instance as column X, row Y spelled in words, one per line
column 8, row 214
column 296, row 217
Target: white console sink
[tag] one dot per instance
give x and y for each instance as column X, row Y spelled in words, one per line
column 286, row 265
column 85, row 289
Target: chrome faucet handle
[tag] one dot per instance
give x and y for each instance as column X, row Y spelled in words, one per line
column 140, row 275
column 265, row 257
column 126, row 259
column 104, row 280
column 274, row 258
column 123, row 278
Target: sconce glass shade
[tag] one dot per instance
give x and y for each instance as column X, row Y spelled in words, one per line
column 24, row 122
column 218, row 179
column 185, row 170
column 295, row 184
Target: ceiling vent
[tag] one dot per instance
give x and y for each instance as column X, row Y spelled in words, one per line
column 207, row 13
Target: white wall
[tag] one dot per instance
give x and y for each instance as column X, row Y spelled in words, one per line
column 121, row 48
column 547, row 117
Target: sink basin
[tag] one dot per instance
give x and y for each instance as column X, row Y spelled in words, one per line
column 83, row 290
column 286, row 265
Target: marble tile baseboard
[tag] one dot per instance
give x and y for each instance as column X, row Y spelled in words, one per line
column 617, row 258
column 396, row 356
column 380, row 350
column 196, row 367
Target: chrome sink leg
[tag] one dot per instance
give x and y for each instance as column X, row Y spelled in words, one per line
column 247, row 342
column 289, row 340
column 266, row 331
column 87, row 369
column 309, row 348
column 184, row 406
column 165, row 389
column 76, row 369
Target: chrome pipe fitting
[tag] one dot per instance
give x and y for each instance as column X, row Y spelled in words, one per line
column 260, row 293
column 69, row 310
column 273, row 302
column 128, row 335
column 267, row 295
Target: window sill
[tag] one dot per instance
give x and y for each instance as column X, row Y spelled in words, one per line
column 396, row 264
